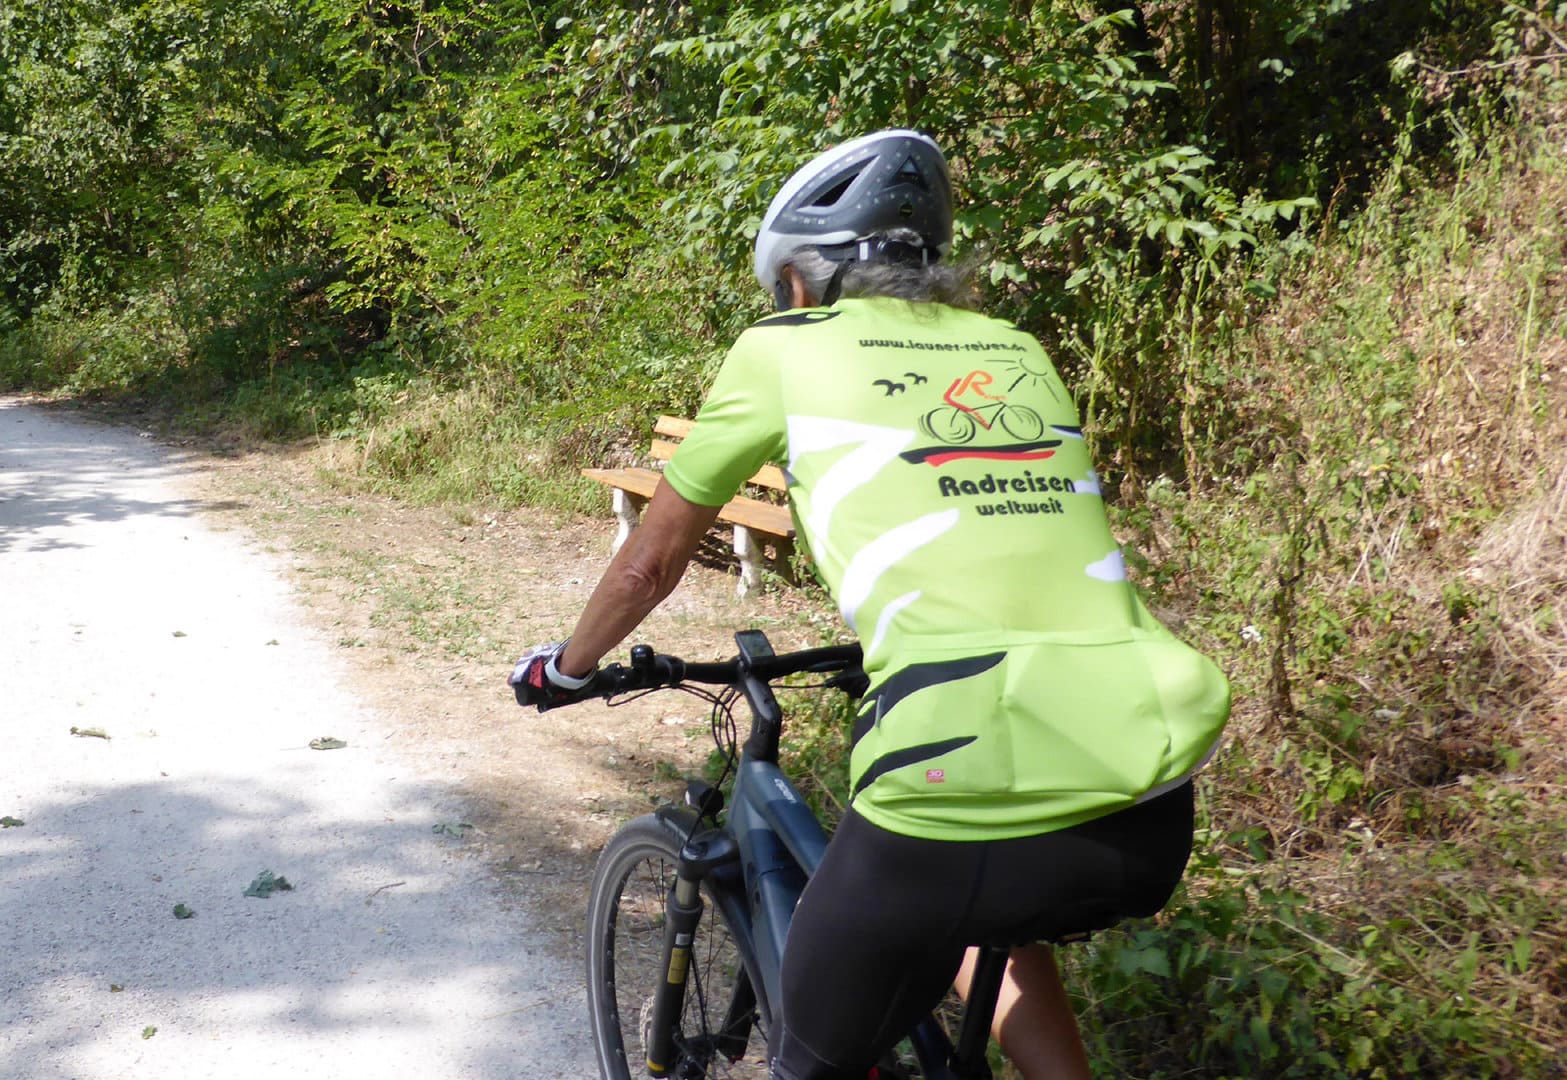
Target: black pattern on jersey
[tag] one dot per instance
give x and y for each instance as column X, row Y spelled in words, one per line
column 908, row 756
column 913, row 678
column 797, row 318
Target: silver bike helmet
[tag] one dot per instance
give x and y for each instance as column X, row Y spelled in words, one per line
column 843, row 200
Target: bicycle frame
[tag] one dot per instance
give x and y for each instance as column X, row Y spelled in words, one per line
column 757, row 866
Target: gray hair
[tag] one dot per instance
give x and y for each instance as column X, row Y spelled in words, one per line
column 939, row 282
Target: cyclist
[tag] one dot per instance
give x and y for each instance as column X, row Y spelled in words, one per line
column 1022, row 762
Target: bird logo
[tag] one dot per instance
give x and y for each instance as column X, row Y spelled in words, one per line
column 899, row 387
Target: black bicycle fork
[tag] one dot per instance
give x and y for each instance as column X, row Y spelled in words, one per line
column 684, row 909
column 701, row 853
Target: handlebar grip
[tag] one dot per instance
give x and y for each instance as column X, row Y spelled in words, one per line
column 610, row 679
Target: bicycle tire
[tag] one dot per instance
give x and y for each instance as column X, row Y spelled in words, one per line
column 950, row 425
column 626, row 913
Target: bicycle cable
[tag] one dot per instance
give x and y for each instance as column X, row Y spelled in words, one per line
column 721, row 723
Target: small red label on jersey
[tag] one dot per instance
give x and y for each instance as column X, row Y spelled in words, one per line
column 935, row 776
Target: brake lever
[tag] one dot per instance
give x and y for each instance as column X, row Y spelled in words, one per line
column 852, row 681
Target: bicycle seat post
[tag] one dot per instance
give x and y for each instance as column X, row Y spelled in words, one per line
column 969, row 1059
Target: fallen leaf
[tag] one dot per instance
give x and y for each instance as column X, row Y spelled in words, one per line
column 266, row 884
column 327, row 742
column 148, row 1032
column 179, row 633
column 116, row 988
column 451, row 828
column 90, row 732
column 182, row 912
column 9, row 822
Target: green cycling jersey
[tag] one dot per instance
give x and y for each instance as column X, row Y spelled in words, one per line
column 940, row 481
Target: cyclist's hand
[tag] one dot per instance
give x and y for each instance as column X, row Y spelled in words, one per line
column 537, row 681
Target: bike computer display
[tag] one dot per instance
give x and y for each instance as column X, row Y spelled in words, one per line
column 753, row 644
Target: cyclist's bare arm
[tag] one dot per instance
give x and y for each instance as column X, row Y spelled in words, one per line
column 645, row 570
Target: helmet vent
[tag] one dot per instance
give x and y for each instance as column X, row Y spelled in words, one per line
column 909, row 173
column 828, row 198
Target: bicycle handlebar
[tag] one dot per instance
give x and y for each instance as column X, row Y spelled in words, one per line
column 650, row 670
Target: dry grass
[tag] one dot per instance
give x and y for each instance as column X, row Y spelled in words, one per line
column 1407, row 409
column 1523, row 560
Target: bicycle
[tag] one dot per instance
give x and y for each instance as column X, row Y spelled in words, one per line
column 692, row 997
column 956, row 425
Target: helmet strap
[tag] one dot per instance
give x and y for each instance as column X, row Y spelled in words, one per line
column 835, row 283
column 781, row 296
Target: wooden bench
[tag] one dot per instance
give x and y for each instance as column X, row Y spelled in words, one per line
column 751, row 518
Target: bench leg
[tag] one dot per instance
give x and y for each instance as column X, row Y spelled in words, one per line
column 628, row 512
column 750, row 554
column 781, row 565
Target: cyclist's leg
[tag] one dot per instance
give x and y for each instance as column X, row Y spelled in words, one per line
column 878, row 935
column 1123, row 865
column 871, row 949
column 1034, row 1022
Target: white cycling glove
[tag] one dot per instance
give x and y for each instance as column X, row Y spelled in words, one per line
column 537, row 678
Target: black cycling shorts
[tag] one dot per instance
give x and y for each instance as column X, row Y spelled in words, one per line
column 879, row 934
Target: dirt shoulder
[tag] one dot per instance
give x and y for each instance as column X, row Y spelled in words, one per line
column 431, row 605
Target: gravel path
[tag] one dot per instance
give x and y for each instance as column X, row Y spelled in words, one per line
column 125, row 607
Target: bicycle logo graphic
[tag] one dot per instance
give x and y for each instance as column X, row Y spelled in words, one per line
column 970, row 406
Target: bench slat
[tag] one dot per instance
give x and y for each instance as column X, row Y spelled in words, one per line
column 753, row 514
column 675, row 427
column 758, row 516
column 640, row 481
column 769, row 476
column 633, row 487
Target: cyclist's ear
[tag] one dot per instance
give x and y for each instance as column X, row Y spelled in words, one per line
column 791, row 291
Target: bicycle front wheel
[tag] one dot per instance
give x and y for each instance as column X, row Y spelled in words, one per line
column 1021, row 422
column 720, row 1032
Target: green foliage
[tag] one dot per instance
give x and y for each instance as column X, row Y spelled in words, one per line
column 815, row 749
column 1090, row 215
column 443, row 184
column 1249, row 974
column 85, row 87
column 1040, row 113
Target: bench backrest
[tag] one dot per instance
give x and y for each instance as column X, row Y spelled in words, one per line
column 678, row 427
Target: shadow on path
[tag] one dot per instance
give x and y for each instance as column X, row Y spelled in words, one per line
column 377, row 954
column 51, row 479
